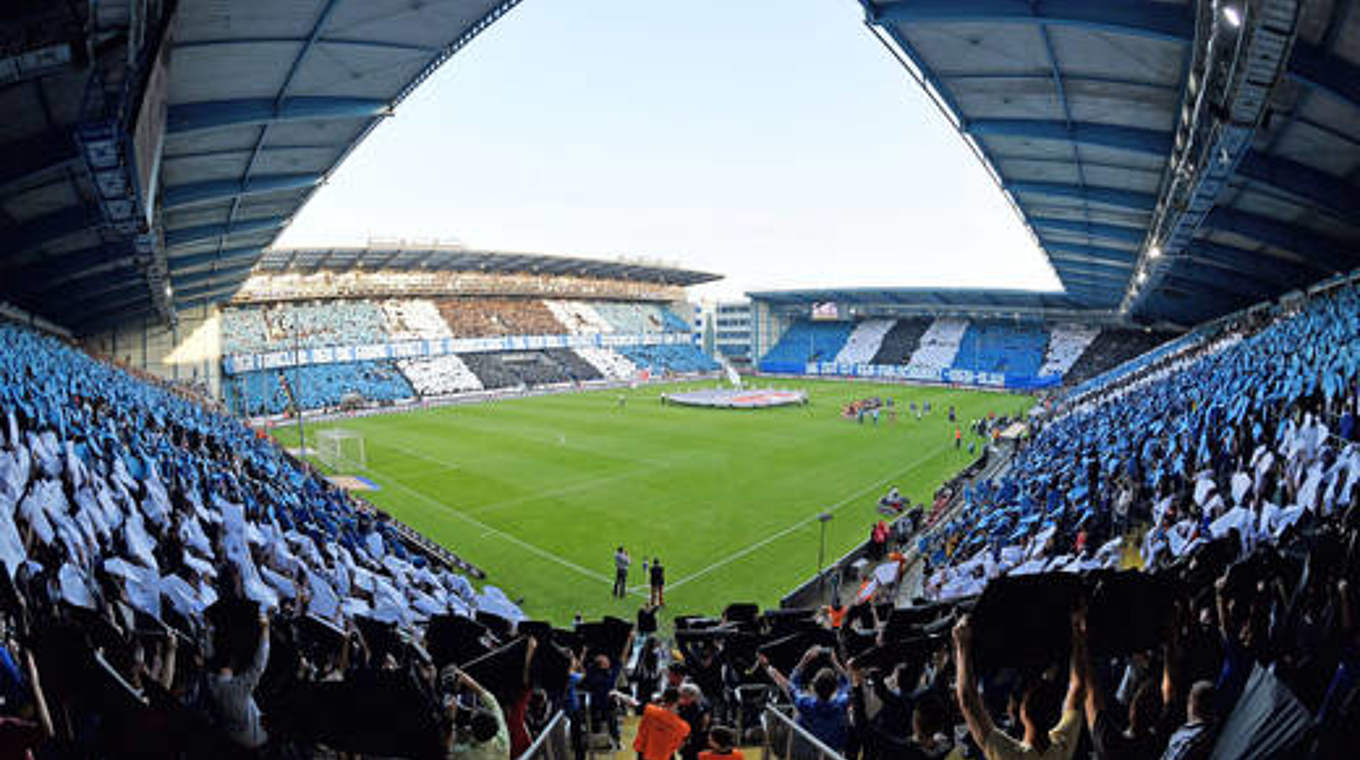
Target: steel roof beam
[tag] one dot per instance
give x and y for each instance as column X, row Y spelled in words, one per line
column 109, row 317
column 33, row 156
column 1135, row 139
column 1061, row 260
column 229, row 255
column 86, row 286
column 1328, row 254
column 112, row 301
column 351, row 42
column 1091, row 251
column 1207, row 286
column 178, row 196
column 53, row 225
column 1092, row 229
column 208, row 231
column 1294, row 178
column 208, row 275
column 1235, row 281
column 1254, row 263
column 1094, row 273
column 1312, row 185
column 191, row 117
column 1110, row 196
column 1134, row 17
column 1317, row 67
column 53, row 266
column 212, row 288
column 1311, row 64
column 203, row 300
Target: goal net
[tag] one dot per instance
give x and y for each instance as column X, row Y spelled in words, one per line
column 339, row 449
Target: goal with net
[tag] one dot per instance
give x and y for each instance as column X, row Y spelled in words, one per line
column 339, row 449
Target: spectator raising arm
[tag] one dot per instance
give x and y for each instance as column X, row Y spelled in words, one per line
column 779, row 679
column 980, row 724
column 1081, row 664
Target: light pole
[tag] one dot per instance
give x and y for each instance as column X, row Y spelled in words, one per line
column 297, row 388
column 823, row 518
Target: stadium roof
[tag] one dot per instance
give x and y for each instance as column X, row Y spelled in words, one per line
column 969, row 300
column 450, row 259
column 1175, row 160
column 146, row 159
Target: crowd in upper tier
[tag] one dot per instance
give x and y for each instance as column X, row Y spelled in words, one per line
column 374, row 380
column 1023, row 350
column 261, row 328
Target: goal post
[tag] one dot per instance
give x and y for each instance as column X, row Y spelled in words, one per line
column 340, row 449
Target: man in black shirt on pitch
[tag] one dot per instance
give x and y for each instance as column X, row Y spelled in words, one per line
column 658, row 579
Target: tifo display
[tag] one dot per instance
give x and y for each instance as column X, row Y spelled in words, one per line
column 736, row 398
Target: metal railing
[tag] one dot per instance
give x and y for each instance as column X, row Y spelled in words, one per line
column 786, row 740
column 554, row 743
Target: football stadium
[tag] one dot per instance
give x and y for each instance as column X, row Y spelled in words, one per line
column 445, row 499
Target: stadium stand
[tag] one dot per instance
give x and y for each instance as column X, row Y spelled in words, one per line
column 1067, row 341
column 326, row 386
column 1113, row 348
column 576, row 368
column 1012, row 348
column 806, row 341
column 158, row 526
column 673, row 322
column 488, row 317
column 244, row 331
column 610, row 363
column 674, row 358
column 256, row 394
column 512, row 369
column 1023, row 351
column 901, row 341
column 325, row 323
column 439, row 376
column 635, row 318
column 864, row 342
column 413, row 319
column 580, row 318
column 365, row 325
column 938, row 346
column 1233, row 433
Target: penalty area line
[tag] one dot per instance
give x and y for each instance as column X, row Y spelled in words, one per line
column 490, row 531
column 805, row 521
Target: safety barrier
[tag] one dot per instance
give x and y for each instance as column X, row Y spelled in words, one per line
column 554, row 743
column 786, row 740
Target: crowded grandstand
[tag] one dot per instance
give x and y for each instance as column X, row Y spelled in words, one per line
column 1157, row 557
column 424, row 328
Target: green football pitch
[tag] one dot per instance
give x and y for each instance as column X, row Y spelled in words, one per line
column 539, row 491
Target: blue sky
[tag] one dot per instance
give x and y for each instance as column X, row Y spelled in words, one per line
column 772, row 141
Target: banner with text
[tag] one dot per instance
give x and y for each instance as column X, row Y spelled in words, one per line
column 416, row 349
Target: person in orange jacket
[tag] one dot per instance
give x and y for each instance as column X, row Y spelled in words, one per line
column 662, row 731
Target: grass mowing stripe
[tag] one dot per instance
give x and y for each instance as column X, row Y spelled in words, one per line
column 498, row 505
column 487, row 530
column 805, row 521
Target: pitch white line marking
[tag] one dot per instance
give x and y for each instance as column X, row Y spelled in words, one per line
column 806, row 520
column 490, row 531
column 418, row 455
column 497, row 505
